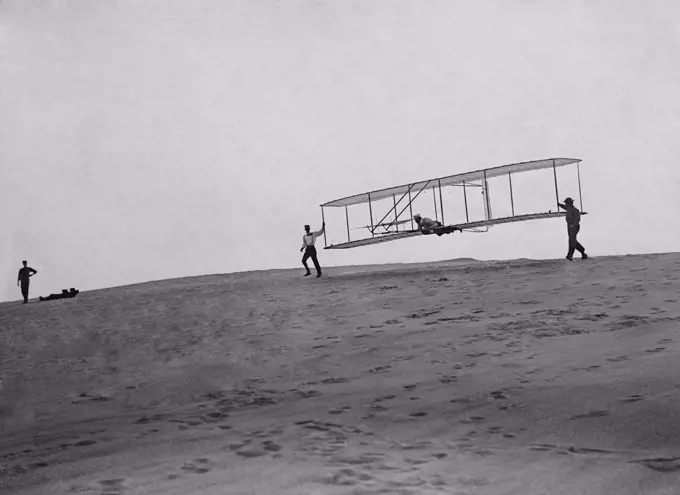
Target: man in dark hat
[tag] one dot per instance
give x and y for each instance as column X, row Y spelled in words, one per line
column 309, row 249
column 25, row 274
column 573, row 217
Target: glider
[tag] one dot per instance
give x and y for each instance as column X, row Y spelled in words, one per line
column 403, row 196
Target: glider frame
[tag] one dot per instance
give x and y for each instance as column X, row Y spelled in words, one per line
column 475, row 179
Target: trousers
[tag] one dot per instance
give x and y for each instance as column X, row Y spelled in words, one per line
column 574, row 245
column 310, row 252
column 24, row 290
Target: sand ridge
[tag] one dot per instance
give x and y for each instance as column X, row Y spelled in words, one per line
column 460, row 377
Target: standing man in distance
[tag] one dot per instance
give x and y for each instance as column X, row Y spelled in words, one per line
column 309, row 249
column 573, row 217
column 25, row 274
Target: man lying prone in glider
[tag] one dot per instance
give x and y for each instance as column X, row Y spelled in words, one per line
column 429, row 226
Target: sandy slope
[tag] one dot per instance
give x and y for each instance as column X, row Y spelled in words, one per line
column 462, row 377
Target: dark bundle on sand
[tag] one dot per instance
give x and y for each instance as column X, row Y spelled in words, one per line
column 65, row 294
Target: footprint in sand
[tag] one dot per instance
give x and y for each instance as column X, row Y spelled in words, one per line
column 632, row 398
column 418, row 414
column 591, row 414
column 340, row 410
column 473, row 419
column 410, row 387
column 85, row 397
column 417, row 445
column 114, row 485
column 498, row 395
column 346, row 477
column 663, row 341
column 380, row 369
column 251, row 452
column 334, row 380
column 450, row 378
column 617, row 359
column 306, row 394
column 85, row 443
column 662, row 464
column 271, row 446
column 656, row 349
column 542, row 447
column 149, row 419
column 384, row 398
column 358, row 459
column 423, row 313
column 460, row 366
column 197, row 466
column 588, row 450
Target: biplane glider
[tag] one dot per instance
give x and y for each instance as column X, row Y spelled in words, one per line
column 398, row 222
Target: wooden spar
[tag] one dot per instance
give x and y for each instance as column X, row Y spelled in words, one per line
column 557, row 195
column 441, row 201
column 512, row 202
column 467, row 216
column 370, row 209
column 410, row 206
column 434, row 199
column 323, row 223
column 580, row 198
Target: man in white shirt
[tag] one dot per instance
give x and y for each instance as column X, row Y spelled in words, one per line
column 309, row 249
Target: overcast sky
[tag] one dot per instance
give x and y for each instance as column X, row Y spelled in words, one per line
column 142, row 140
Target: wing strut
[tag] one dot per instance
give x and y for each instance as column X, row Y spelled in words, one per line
column 557, row 196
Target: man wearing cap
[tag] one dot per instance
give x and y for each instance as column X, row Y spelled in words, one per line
column 428, row 226
column 573, row 217
column 309, row 249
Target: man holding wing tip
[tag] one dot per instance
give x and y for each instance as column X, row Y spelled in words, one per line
column 573, row 216
column 310, row 251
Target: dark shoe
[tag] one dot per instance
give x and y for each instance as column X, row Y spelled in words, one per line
column 307, row 274
column 584, row 256
column 318, row 275
column 569, row 258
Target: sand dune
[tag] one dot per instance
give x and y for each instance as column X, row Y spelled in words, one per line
column 461, row 377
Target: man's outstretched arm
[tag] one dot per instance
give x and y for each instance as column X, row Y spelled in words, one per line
column 33, row 272
column 320, row 232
